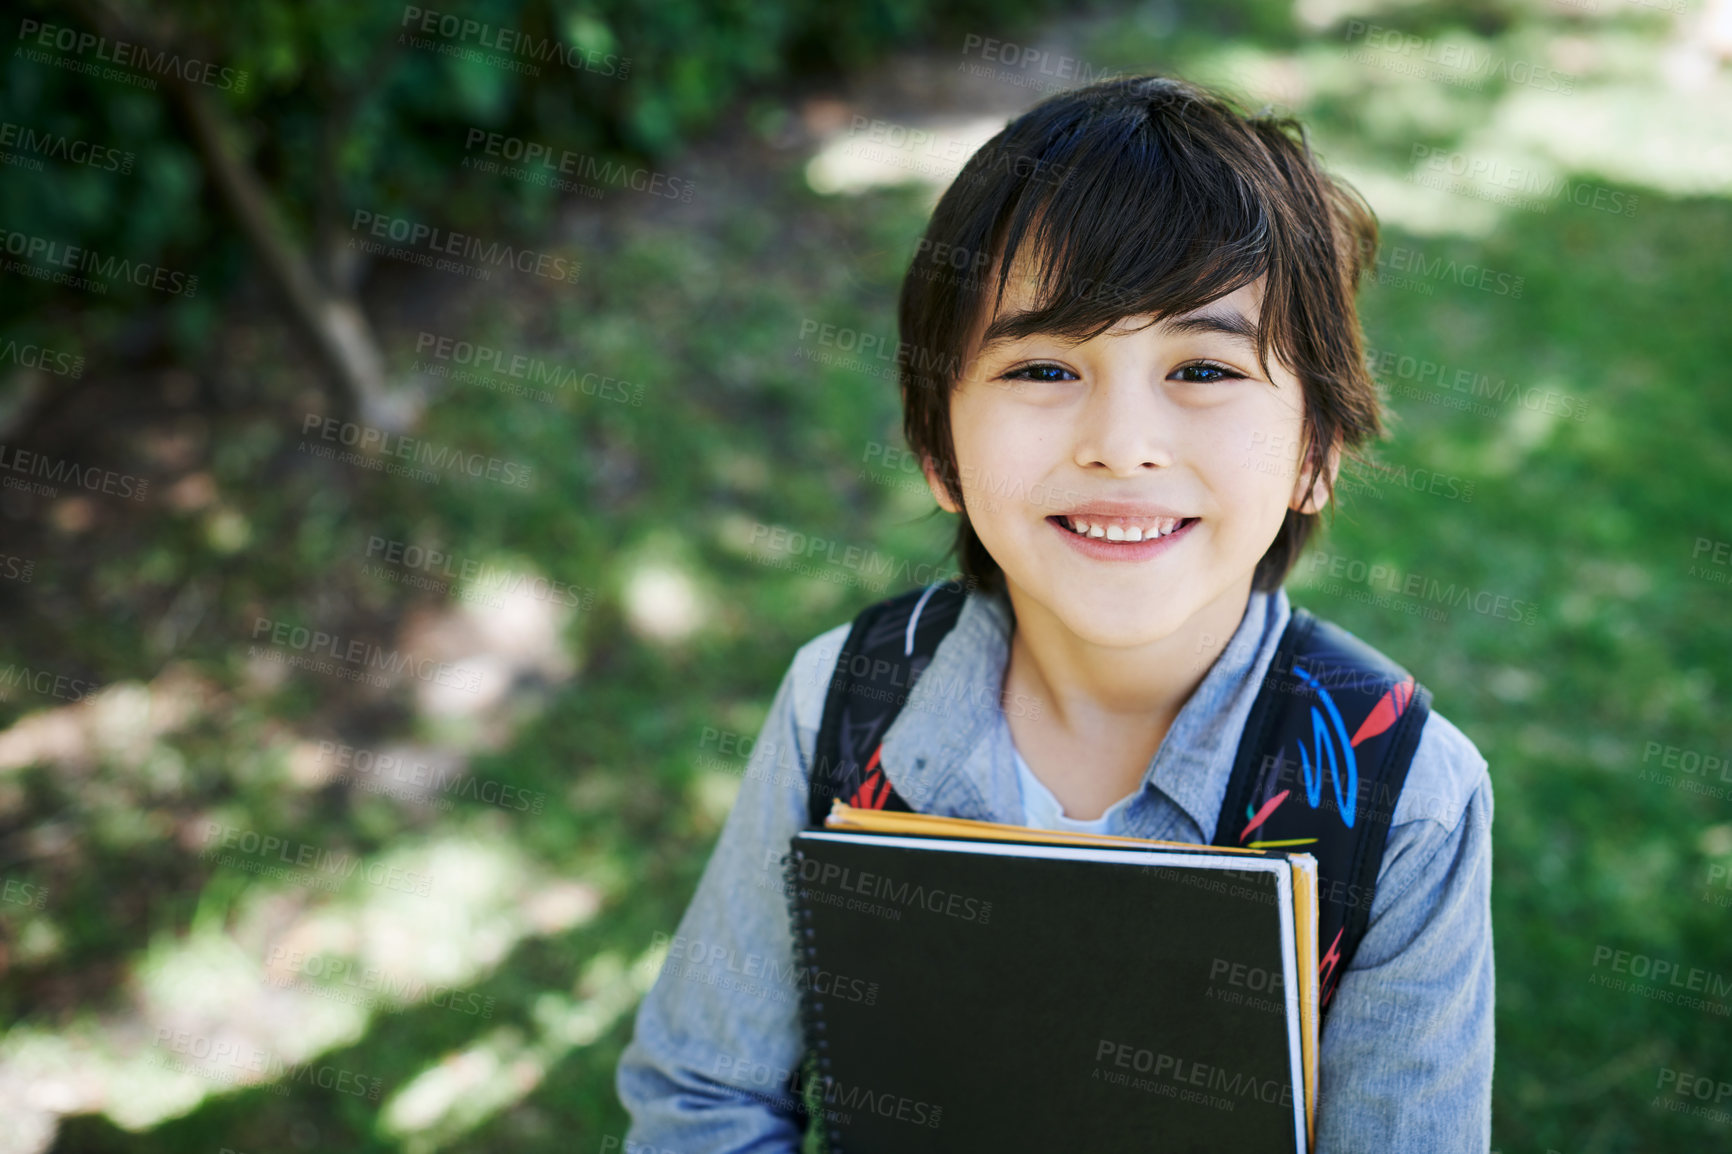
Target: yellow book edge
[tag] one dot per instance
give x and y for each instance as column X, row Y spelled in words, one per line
column 843, row 816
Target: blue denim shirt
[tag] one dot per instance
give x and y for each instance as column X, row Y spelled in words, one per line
column 1406, row 1057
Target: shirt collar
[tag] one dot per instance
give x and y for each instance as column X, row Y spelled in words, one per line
column 938, row 759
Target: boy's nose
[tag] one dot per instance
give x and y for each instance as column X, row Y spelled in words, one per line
column 1125, row 427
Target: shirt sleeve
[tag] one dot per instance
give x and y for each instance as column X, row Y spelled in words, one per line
column 1408, row 1038
column 714, row 1061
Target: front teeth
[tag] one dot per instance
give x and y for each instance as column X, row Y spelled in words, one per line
column 1160, row 528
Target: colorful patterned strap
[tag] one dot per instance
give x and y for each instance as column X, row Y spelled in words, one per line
column 887, row 650
column 1320, row 766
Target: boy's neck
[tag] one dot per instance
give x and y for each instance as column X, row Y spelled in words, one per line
column 1087, row 686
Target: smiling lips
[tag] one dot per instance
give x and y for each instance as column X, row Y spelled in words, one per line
column 1122, row 528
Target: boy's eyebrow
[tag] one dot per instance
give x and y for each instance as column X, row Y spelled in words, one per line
column 1227, row 321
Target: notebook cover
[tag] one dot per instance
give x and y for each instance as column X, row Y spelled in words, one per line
column 850, row 818
column 986, row 1001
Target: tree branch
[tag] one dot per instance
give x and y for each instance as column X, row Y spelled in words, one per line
column 332, row 317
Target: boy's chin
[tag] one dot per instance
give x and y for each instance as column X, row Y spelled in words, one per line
column 1124, row 635
column 1138, row 621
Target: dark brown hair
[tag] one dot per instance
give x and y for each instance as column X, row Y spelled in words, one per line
column 1145, row 195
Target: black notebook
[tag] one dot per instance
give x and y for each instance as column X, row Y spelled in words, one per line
column 1015, row 989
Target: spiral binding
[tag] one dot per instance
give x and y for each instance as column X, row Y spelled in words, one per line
column 814, row 1029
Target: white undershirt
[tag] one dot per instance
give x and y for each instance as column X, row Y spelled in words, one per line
column 1041, row 810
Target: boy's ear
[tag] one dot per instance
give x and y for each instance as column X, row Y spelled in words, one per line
column 1313, row 500
column 939, row 492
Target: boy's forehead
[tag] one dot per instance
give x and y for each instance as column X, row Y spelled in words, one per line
column 1023, row 293
column 1022, row 285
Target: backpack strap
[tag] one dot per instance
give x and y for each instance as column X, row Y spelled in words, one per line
column 1330, row 707
column 887, row 650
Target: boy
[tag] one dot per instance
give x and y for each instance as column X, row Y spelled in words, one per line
column 1136, row 397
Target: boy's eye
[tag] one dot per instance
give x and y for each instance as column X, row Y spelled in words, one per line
column 1039, row 373
column 1206, row 373
column 1196, row 373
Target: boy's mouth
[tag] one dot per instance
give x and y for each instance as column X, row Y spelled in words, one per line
column 1121, row 528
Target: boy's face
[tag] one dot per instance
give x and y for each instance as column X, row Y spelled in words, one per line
column 1129, row 433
